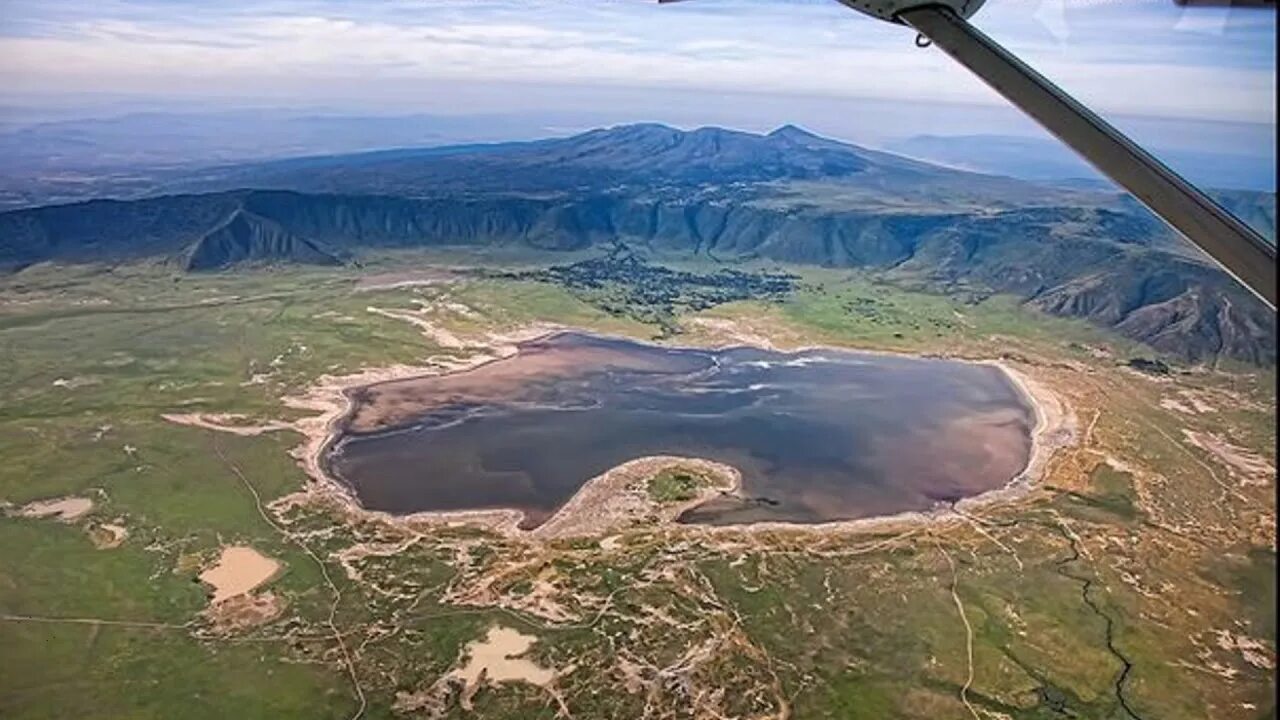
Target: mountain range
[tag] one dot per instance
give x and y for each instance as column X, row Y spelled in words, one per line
column 788, row 195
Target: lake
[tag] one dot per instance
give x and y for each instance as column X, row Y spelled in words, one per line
column 818, row 435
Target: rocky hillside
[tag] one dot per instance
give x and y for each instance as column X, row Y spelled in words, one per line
column 246, row 237
column 787, row 196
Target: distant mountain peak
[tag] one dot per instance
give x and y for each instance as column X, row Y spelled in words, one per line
column 632, row 131
column 703, row 155
column 794, row 132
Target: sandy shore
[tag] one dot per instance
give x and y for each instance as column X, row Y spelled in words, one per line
column 608, row 501
column 1054, row 430
column 619, row 498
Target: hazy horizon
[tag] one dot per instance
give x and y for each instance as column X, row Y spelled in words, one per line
column 1198, row 82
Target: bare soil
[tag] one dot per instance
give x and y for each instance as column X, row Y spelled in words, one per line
column 239, row 570
column 66, row 509
column 497, row 659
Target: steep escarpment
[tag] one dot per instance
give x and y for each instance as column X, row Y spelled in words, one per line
column 1107, row 266
column 382, row 221
column 714, row 226
column 1175, row 305
column 719, row 226
column 110, row 230
column 789, row 196
column 246, row 237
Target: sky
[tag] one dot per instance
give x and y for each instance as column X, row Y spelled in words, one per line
column 758, row 61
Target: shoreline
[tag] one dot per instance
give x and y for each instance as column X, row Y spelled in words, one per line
column 333, row 396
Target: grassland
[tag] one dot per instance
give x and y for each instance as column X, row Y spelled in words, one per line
column 1137, row 582
column 675, row 486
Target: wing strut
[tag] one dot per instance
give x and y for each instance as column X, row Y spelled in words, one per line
column 1240, row 250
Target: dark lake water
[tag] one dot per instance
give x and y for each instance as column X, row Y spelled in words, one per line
column 818, row 435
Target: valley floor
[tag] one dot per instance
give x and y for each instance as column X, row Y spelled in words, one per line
column 167, row 536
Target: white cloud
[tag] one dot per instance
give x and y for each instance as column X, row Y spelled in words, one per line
column 728, row 45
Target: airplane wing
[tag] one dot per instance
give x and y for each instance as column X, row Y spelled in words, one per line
column 1235, row 246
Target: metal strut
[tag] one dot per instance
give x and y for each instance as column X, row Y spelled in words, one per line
column 1240, row 250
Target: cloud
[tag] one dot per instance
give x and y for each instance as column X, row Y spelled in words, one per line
column 1222, row 69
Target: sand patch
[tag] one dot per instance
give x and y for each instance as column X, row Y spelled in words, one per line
column 1188, row 402
column 1055, row 429
column 733, row 332
column 1255, row 652
column 1198, row 401
column 66, row 509
column 107, row 535
column 239, row 570
column 496, row 659
column 244, row 611
column 1250, row 467
column 433, row 332
column 1177, row 406
column 75, row 382
column 233, row 423
column 396, row 280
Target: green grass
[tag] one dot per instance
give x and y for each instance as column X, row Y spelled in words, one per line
column 857, row 635
column 1111, row 498
column 1251, row 575
column 857, row 309
column 675, row 485
column 60, row 671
